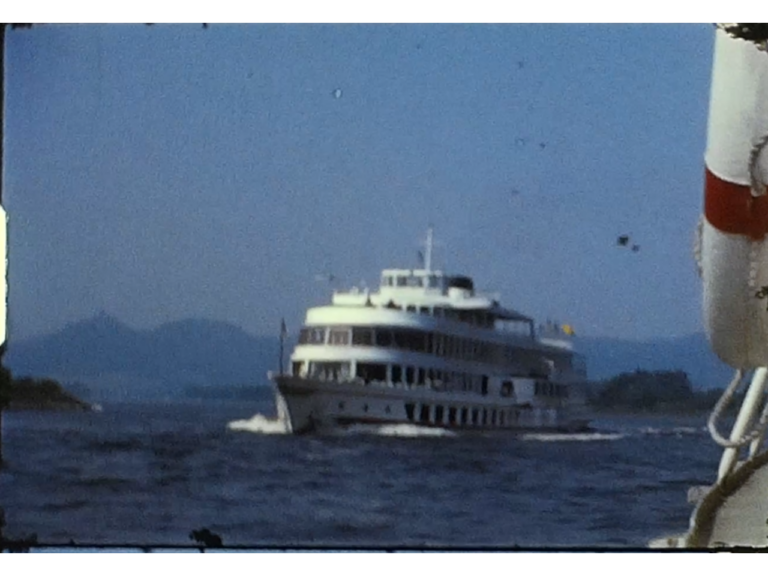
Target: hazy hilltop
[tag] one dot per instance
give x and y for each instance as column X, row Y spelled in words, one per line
column 103, row 359
column 107, row 360
column 608, row 357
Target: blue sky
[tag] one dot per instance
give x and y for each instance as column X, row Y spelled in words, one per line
column 166, row 172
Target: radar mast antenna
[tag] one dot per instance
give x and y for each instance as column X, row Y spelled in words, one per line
column 428, row 251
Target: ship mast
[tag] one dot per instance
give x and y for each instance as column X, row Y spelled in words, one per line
column 428, row 251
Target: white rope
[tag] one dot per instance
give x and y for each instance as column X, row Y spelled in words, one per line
column 697, row 242
column 755, row 182
column 758, row 430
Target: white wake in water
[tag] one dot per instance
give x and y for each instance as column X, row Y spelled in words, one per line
column 397, row 430
column 576, row 437
column 260, row 424
column 678, row 431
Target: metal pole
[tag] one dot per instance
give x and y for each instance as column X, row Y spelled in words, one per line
column 283, row 331
column 749, row 408
column 3, row 256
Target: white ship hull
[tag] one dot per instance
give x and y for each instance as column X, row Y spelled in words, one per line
column 311, row 405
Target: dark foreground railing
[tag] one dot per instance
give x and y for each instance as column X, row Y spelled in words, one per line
column 330, row 548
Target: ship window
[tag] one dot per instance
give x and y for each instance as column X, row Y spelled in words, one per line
column 296, row 368
column 438, row 414
column 388, row 410
column 329, row 370
column 433, row 281
column 452, row 415
column 408, row 339
column 412, row 340
column 397, row 373
column 341, row 405
column 316, row 335
column 409, row 374
column 485, row 416
column 493, row 417
column 370, row 371
column 475, row 414
column 464, row 415
column 402, row 280
column 426, row 344
column 383, row 337
column 420, row 341
column 338, row 336
column 365, row 407
column 423, row 310
column 424, row 414
column 304, row 336
column 410, row 308
column 362, row 336
column 415, row 281
column 409, row 411
column 420, row 375
column 484, row 386
column 501, row 418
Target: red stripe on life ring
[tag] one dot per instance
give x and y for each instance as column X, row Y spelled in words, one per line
column 731, row 208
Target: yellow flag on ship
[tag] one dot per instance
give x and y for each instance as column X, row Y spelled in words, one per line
column 568, row 329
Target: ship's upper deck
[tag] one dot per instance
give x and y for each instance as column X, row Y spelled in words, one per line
column 403, row 287
column 422, row 295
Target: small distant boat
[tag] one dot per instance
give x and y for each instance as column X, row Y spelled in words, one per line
column 427, row 349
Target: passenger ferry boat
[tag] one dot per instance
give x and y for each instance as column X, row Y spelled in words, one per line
column 427, row 349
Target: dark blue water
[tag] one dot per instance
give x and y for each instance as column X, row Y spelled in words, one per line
column 151, row 474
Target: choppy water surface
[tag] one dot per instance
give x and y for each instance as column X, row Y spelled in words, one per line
column 151, row 474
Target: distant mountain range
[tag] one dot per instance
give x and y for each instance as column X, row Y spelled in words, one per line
column 103, row 359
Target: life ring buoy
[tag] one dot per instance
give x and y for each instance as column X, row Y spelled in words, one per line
column 732, row 246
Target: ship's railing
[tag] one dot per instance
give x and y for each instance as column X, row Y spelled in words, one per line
column 435, row 385
column 310, row 546
column 749, row 429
